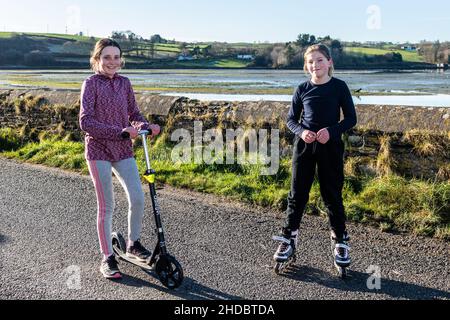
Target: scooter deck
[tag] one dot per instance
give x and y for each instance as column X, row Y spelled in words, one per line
column 143, row 265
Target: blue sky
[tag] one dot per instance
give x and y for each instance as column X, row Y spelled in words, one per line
column 235, row 21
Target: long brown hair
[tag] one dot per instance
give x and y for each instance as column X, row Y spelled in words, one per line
column 323, row 49
column 99, row 46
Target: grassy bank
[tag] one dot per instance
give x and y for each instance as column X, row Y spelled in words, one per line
column 389, row 202
column 407, row 56
column 29, row 81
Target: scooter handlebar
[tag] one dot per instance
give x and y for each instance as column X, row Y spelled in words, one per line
column 145, row 132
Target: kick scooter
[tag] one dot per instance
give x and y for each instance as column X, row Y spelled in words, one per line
column 166, row 267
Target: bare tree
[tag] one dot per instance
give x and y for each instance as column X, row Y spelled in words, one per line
column 278, row 56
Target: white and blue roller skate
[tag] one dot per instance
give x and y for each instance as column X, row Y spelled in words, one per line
column 341, row 257
column 285, row 253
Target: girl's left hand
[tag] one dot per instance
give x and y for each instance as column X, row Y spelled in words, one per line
column 323, row 136
column 132, row 131
column 155, row 129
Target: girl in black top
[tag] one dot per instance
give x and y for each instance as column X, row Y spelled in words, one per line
column 314, row 118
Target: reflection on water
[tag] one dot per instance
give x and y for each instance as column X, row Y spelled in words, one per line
column 439, row 100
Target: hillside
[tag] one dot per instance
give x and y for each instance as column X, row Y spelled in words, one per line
column 39, row 50
column 407, row 56
column 57, row 50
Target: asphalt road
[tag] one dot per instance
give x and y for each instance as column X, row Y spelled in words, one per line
column 49, row 248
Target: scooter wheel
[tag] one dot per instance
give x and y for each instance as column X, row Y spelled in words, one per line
column 118, row 243
column 169, row 271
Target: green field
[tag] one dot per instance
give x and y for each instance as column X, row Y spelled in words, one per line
column 167, row 48
column 7, row 34
column 215, row 63
column 407, row 56
column 47, row 35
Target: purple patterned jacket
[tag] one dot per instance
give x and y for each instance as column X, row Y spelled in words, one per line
column 108, row 106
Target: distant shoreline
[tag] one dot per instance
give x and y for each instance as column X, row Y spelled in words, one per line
column 130, row 66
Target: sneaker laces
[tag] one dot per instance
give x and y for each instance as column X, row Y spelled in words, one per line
column 283, row 247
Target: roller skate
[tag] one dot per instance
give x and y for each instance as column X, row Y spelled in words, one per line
column 341, row 258
column 285, row 254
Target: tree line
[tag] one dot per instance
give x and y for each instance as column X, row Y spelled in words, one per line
column 290, row 54
column 26, row 50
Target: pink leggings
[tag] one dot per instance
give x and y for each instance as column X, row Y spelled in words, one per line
column 127, row 173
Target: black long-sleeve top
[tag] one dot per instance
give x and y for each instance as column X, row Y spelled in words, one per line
column 315, row 107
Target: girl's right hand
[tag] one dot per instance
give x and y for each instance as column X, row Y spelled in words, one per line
column 132, row 131
column 309, row 136
column 155, row 129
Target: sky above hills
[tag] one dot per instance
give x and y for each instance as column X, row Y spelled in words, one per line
column 235, row 21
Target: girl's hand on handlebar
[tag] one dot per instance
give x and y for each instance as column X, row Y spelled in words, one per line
column 155, row 129
column 132, row 131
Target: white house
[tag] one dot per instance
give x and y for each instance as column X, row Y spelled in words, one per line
column 185, row 57
column 245, row 56
column 409, row 48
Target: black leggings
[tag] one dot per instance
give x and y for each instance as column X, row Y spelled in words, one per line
column 330, row 168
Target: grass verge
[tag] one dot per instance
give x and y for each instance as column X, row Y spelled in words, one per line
column 391, row 203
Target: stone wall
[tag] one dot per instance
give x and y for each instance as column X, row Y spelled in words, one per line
column 374, row 117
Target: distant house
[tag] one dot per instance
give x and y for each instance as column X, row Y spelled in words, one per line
column 245, row 56
column 409, row 48
column 185, row 57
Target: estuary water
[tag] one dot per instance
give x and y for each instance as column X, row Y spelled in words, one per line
column 413, row 88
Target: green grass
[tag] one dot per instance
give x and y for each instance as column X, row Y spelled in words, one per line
column 167, row 48
column 7, row 34
column 45, row 84
column 214, row 63
column 53, row 153
column 9, row 139
column 396, row 203
column 406, row 55
column 390, row 203
column 213, row 88
column 230, row 63
column 200, row 46
column 46, row 35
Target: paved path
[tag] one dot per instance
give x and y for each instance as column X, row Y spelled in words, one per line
column 49, row 249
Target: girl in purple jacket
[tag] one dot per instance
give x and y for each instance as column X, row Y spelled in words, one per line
column 110, row 118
